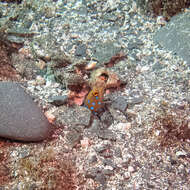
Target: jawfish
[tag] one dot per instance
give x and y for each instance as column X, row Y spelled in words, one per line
column 94, row 100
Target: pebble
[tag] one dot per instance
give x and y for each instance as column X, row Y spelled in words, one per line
column 51, row 118
column 127, row 175
column 21, row 119
column 131, row 169
column 181, row 154
column 110, row 163
column 40, row 80
column 91, row 65
column 85, row 143
column 161, row 20
column 94, row 129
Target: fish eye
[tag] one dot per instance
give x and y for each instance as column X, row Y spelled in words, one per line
column 95, row 93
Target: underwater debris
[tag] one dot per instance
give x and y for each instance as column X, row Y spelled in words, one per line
column 167, row 8
column 103, row 76
column 171, row 127
column 91, row 65
column 115, row 59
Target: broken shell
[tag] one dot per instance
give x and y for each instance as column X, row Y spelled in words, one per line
column 161, row 21
column 95, row 76
column 112, row 78
column 113, row 81
column 91, row 65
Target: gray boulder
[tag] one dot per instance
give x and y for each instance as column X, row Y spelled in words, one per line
column 20, row 118
column 175, row 36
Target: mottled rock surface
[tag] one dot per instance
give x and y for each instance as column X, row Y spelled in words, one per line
column 20, row 118
column 71, row 116
column 175, row 36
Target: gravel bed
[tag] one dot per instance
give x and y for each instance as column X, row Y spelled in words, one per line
column 126, row 156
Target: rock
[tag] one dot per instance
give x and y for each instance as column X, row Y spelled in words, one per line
column 72, row 116
column 118, row 152
column 103, row 52
column 106, row 119
column 120, row 103
column 93, row 130
column 81, row 50
column 109, row 162
column 136, row 100
column 118, row 115
column 174, row 36
column 25, row 66
column 92, row 173
column 21, row 119
column 92, row 159
column 131, row 169
column 73, row 138
column 135, row 44
column 101, row 178
column 108, row 172
column 58, row 100
column 181, row 154
column 107, row 134
column 102, row 148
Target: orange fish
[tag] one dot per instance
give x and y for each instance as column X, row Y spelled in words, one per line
column 94, row 100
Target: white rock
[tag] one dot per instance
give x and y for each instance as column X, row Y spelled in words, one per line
column 131, row 169
column 181, row 153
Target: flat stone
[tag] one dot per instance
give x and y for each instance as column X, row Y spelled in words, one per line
column 21, row 119
column 120, row 103
column 72, row 116
column 175, row 36
column 103, row 52
column 107, row 134
column 58, row 100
